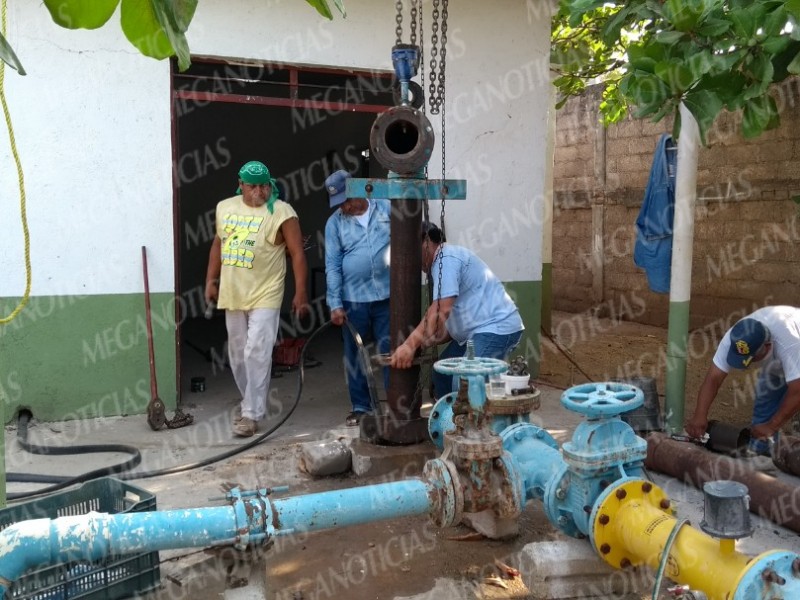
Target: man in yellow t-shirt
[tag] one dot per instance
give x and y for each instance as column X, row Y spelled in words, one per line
column 245, row 277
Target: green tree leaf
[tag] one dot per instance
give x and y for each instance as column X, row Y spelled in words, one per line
column 713, row 27
column 793, row 8
column 325, row 10
column 174, row 17
column 761, row 69
column 794, row 66
column 669, row 37
column 81, row 14
column 9, row 57
column 704, row 105
column 757, row 116
column 677, row 76
column 142, row 28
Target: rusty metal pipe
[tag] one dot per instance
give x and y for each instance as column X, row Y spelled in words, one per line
column 770, row 498
column 403, row 397
column 787, row 454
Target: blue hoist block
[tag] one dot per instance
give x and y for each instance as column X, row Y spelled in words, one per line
column 405, row 59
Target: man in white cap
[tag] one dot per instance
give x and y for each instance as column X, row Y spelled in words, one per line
column 771, row 336
column 357, row 277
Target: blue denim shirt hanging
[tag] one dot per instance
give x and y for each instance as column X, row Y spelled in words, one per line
column 653, row 249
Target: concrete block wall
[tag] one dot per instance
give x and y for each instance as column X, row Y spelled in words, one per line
column 747, row 229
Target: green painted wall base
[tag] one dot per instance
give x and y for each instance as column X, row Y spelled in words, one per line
column 528, row 296
column 547, row 297
column 74, row 357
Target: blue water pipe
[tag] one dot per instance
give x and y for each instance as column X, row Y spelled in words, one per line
column 253, row 518
column 582, row 486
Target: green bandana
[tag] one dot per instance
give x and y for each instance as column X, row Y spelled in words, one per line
column 257, row 173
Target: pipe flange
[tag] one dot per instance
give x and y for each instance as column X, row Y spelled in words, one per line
column 485, row 447
column 440, row 420
column 773, row 574
column 402, row 140
column 603, row 533
column 445, row 492
column 515, row 405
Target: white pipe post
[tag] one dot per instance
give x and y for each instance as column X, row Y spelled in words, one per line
column 680, row 289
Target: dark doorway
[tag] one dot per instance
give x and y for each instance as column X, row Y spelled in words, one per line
column 303, row 123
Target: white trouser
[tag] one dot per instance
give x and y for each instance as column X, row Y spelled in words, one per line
column 251, row 338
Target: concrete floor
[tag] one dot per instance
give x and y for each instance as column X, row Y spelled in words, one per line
column 290, row 569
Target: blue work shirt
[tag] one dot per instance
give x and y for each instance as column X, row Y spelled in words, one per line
column 357, row 258
column 481, row 302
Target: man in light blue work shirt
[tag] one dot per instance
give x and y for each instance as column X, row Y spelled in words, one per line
column 357, row 276
column 472, row 304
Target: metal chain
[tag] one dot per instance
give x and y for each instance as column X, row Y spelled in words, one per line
column 443, row 58
column 432, row 98
column 413, row 22
column 398, row 18
column 441, row 98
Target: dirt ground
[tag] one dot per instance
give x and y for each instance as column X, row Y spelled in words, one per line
column 583, row 348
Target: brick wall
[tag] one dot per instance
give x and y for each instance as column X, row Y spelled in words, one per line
column 746, row 248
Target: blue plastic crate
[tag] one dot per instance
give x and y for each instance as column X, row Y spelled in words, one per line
column 113, row 578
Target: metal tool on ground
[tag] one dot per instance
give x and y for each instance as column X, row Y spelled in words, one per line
column 156, row 411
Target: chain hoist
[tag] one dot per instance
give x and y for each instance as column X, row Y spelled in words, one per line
column 436, row 101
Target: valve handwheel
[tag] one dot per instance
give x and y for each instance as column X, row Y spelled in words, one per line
column 605, row 399
column 470, row 366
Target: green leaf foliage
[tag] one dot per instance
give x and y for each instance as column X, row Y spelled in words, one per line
column 325, row 10
column 142, row 28
column 81, row 14
column 157, row 28
column 174, row 17
column 653, row 55
column 9, row 57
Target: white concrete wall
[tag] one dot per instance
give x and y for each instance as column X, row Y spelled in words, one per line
column 92, row 124
column 92, row 121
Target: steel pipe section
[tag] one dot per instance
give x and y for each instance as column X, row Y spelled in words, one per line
column 770, row 498
column 402, row 140
column 633, row 523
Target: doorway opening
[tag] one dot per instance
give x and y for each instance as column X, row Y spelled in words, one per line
column 302, row 122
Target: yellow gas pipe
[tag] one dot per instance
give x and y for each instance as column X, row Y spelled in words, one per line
column 632, row 525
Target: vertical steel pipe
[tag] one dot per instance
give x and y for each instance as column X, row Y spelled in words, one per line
column 404, row 395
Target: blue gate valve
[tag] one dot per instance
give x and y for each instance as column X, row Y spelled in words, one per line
column 607, row 399
column 604, row 449
column 474, row 370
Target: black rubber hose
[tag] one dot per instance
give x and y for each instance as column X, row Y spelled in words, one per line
column 169, row 470
column 22, row 438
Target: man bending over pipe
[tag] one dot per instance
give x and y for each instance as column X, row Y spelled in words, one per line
column 772, row 335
